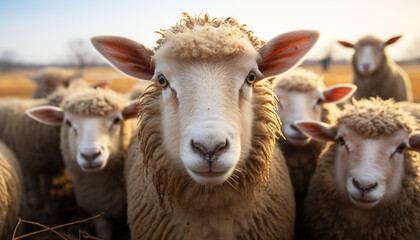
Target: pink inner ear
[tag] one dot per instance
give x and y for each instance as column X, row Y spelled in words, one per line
column 100, row 84
column 392, row 40
column 316, row 130
column 285, row 51
column 48, row 115
column 131, row 111
column 128, row 56
column 345, row 44
column 337, row 94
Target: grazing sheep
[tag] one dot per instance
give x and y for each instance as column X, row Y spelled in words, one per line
column 11, row 191
column 207, row 132
column 94, row 137
column 302, row 95
column 375, row 74
column 366, row 183
column 50, row 79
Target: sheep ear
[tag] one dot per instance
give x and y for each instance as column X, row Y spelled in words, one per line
column 100, row 84
column 392, row 40
column 48, row 115
column 317, row 130
column 131, row 110
column 414, row 142
column 339, row 93
column 285, row 51
column 345, row 44
column 126, row 55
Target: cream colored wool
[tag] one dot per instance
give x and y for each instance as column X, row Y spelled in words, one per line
column 102, row 191
column 93, row 102
column 11, row 191
column 205, row 38
column 329, row 215
column 252, row 206
column 375, row 117
column 388, row 81
column 50, row 79
column 299, row 80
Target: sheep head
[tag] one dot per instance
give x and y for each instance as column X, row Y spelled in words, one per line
column 206, row 101
column 369, row 54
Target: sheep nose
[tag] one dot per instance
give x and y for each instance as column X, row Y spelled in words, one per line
column 363, row 188
column 210, row 151
column 90, row 156
column 366, row 66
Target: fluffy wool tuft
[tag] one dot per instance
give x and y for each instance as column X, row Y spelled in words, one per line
column 93, row 102
column 300, row 80
column 375, row 117
column 205, row 38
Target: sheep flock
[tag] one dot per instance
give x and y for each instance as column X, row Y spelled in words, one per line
column 223, row 136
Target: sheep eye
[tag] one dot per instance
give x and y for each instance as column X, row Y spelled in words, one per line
column 250, row 79
column 401, row 148
column 319, row 101
column 116, row 120
column 162, row 81
column 341, row 141
column 69, row 123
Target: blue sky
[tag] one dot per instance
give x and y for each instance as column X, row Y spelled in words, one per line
column 39, row 31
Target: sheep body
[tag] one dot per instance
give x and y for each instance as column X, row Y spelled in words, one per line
column 334, row 216
column 387, row 81
column 11, row 191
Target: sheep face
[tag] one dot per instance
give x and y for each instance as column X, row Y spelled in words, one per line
column 369, row 170
column 207, row 110
column 369, row 54
column 93, row 139
column 297, row 105
column 294, row 106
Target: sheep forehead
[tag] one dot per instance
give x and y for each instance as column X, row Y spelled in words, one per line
column 93, row 102
column 368, row 40
column 54, row 75
column 205, row 38
column 376, row 117
column 299, row 80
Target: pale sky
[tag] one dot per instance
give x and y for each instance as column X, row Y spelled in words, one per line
column 39, row 31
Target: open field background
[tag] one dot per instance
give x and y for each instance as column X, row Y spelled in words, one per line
column 14, row 83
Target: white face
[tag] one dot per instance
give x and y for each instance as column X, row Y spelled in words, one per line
column 207, row 114
column 93, row 139
column 370, row 170
column 294, row 106
column 368, row 58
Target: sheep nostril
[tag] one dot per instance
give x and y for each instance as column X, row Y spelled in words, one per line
column 90, row 156
column 211, row 154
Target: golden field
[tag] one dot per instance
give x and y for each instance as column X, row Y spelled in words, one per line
column 14, row 83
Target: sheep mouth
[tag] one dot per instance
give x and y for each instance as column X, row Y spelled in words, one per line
column 364, row 202
column 209, row 174
column 91, row 167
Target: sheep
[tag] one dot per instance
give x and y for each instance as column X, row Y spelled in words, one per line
column 375, row 74
column 137, row 90
column 366, row 182
column 302, row 95
column 95, row 133
column 203, row 165
column 50, row 79
column 11, row 191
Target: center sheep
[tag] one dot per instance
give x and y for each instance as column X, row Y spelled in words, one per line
column 203, row 164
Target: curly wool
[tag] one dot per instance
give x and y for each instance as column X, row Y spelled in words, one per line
column 205, row 38
column 93, row 102
column 375, row 117
column 299, row 79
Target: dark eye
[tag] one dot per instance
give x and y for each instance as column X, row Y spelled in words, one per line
column 116, row 120
column 401, row 148
column 319, row 101
column 341, row 141
column 69, row 123
column 162, row 81
column 250, row 79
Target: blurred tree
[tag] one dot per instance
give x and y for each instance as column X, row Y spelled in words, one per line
column 327, row 59
column 413, row 51
column 82, row 54
column 7, row 60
